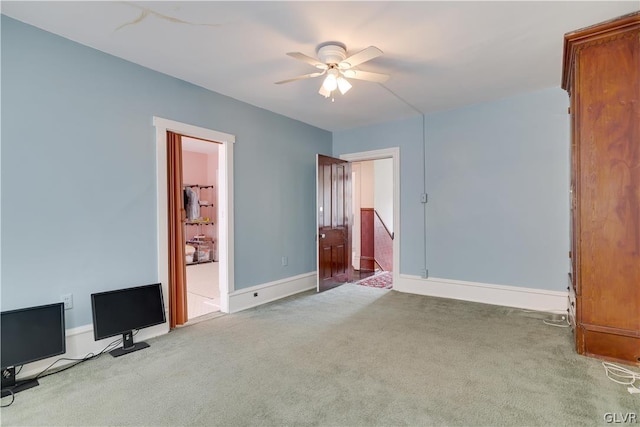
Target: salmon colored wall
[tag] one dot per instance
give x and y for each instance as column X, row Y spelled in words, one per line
column 194, row 168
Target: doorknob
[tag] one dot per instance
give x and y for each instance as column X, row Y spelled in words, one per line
column 322, row 236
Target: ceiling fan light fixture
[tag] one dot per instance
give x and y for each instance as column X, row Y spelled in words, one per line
column 324, row 92
column 330, row 82
column 343, row 85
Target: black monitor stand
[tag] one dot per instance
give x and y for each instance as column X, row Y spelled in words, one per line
column 128, row 346
column 10, row 385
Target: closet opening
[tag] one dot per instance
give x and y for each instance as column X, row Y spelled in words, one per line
column 200, row 178
column 171, row 219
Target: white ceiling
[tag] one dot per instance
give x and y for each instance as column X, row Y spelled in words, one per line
column 440, row 55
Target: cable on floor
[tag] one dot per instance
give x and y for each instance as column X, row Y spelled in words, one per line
column 89, row 356
column 623, row 376
column 13, row 397
column 564, row 323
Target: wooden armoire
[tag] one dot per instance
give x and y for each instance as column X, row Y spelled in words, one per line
column 601, row 73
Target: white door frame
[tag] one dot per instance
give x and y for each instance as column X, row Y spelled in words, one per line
column 225, row 201
column 394, row 154
column 356, row 243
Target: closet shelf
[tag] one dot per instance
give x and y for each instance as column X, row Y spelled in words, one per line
column 200, row 209
column 203, row 250
column 197, row 186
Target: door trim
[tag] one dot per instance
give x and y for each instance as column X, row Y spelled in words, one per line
column 394, row 154
column 225, row 201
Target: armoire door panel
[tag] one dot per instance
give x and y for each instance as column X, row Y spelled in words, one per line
column 601, row 72
column 610, row 182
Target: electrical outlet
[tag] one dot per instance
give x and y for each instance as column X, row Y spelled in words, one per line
column 285, row 260
column 67, row 299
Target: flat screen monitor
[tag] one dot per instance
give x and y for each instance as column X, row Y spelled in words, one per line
column 122, row 311
column 28, row 335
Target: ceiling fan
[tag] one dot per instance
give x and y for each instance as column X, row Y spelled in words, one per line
column 333, row 61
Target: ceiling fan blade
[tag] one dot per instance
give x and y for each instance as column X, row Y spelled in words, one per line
column 305, row 76
column 309, row 60
column 366, row 75
column 360, row 57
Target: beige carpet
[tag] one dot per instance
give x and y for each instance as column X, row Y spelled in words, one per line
column 351, row 356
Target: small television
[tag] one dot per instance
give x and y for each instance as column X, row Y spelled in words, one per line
column 122, row 311
column 28, row 335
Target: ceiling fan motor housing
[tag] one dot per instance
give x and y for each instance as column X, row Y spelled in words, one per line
column 332, row 53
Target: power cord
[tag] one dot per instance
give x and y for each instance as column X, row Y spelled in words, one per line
column 546, row 310
column 556, row 323
column 89, row 356
column 623, row 376
column 9, row 391
column 13, row 397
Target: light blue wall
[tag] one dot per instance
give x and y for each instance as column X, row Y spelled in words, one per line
column 497, row 178
column 79, row 180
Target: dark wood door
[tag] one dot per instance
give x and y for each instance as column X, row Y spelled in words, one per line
column 334, row 222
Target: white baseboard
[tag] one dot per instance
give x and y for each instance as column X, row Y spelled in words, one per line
column 243, row 299
column 80, row 343
column 508, row 296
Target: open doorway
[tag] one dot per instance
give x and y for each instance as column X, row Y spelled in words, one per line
column 389, row 198
column 173, row 287
column 331, row 250
column 200, row 183
column 372, row 243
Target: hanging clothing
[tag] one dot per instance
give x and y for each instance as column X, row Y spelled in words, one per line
column 193, row 204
